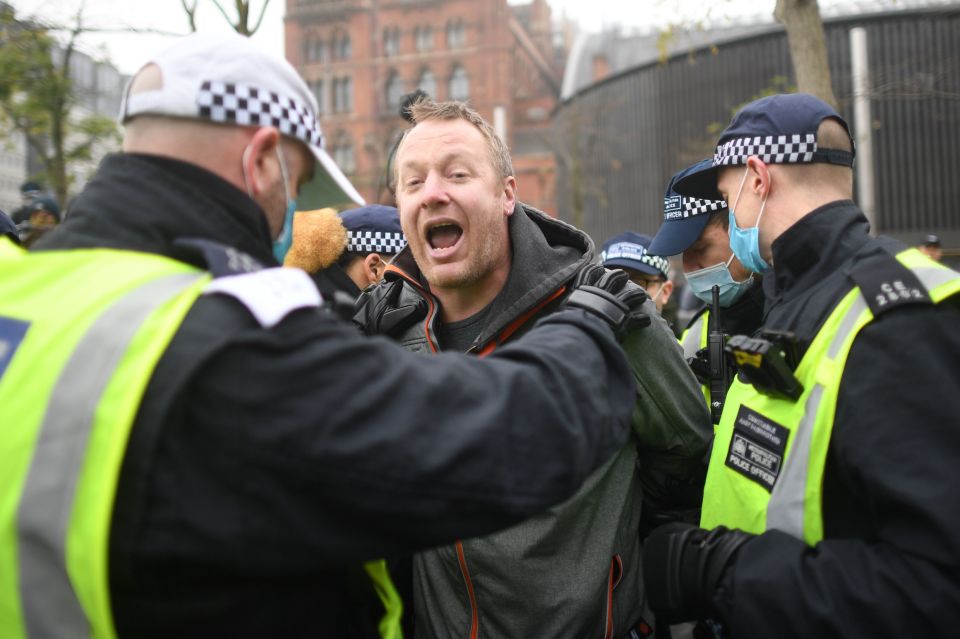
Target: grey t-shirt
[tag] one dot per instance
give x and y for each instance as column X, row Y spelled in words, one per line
column 459, row 336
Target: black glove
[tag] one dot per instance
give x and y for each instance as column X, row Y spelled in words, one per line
column 611, row 296
column 682, row 566
column 387, row 317
column 700, row 365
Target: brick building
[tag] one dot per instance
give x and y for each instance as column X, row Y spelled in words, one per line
column 361, row 56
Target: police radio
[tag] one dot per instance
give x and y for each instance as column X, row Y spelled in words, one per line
column 720, row 368
column 767, row 362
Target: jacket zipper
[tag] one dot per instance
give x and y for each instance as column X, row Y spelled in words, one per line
column 489, row 348
column 474, row 609
column 616, row 574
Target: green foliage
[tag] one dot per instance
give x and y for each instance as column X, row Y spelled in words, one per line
column 778, row 84
column 39, row 99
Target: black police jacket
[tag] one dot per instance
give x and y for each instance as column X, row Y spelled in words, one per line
column 265, row 464
column 889, row 563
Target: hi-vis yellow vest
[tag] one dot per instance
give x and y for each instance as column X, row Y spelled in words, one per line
column 766, row 468
column 693, row 340
column 80, row 334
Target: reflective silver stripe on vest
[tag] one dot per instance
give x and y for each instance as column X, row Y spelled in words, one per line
column 785, row 508
column 691, row 343
column 50, row 606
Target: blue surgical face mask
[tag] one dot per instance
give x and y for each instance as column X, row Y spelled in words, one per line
column 702, row 282
column 745, row 243
column 283, row 243
column 285, row 240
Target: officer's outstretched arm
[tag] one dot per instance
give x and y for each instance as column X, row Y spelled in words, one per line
column 380, row 451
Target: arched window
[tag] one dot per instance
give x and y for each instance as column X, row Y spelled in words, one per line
column 424, row 38
column 459, row 88
column 314, row 50
column 427, row 83
column 391, row 41
column 343, row 153
column 456, row 34
column 395, row 90
column 343, row 95
column 341, row 45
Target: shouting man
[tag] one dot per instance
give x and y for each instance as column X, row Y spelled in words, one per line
column 479, row 268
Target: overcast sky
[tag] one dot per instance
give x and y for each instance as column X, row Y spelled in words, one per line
column 128, row 51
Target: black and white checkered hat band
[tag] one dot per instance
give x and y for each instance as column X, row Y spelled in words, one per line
column 636, row 253
column 375, row 242
column 657, row 262
column 771, row 149
column 249, row 106
column 693, row 206
column 679, row 208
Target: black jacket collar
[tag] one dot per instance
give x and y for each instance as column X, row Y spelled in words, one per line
column 333, row 279
column 817, row 246
column 146, row 203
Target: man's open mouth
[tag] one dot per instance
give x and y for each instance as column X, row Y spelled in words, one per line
column 444, row 236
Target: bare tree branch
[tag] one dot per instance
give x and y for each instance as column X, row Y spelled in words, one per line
column 191, row 11
column 223, row 12
column 263, row 12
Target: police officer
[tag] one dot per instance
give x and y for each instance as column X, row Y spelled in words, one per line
column 930, row 246
column 698, row 229
column 629, row 251
column 831, row 506
column 191, row 447
column 345, row 252
column 29, row 191
column 374, row 236
column 43, row 214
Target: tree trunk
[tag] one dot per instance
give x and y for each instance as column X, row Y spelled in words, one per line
column 808, row 46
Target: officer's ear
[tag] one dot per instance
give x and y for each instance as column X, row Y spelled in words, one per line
column 261, row 168
column 665, row 291
column 759, row 177
column 374, row 266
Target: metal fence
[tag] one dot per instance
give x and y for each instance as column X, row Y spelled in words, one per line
column 619, row 141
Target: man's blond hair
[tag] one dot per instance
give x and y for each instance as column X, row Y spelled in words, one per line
column 426, row 110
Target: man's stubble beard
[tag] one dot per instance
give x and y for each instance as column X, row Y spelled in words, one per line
column 473, row 270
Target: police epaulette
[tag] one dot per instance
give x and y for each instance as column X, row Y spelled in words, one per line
column 886, row 284
column 221, row 260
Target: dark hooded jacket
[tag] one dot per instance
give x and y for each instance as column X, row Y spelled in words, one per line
column 573, row 571
column 265, row 464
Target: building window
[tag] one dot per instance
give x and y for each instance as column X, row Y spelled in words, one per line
column 391, row 41
column 456, row 34
column 318, row 93
column 314, row 50
column 427, row 83
column 459, row 88
column 424, row 38
column 343, row 153
column 341, row 45
column 394, row 90
column 342, row 95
